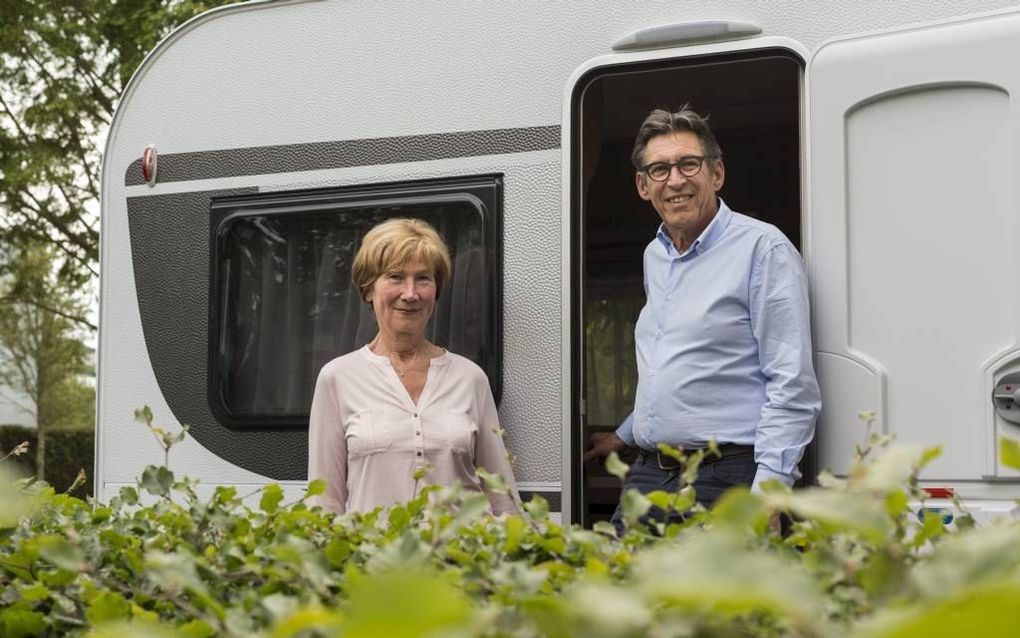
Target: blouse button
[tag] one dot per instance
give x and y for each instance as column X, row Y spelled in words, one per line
column 419, row 452
column 417, row 433
column 416, row 415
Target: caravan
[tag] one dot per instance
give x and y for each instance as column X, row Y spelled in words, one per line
column 256, row 144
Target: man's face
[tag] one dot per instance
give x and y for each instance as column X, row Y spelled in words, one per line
column 685, row 204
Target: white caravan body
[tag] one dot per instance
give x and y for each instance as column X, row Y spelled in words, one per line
column 883, row 138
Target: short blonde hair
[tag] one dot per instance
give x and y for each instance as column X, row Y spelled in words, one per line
column 391, row 245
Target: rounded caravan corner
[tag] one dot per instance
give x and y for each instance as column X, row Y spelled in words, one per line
column 917, row 26
column 170, row 39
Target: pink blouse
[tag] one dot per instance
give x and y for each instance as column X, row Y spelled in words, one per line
column 366, row 438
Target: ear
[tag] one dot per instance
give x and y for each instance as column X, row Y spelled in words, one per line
column 641, row 181
column 718, row 174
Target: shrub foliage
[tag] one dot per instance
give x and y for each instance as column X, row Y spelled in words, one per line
column 158, row 560
column 68, row 453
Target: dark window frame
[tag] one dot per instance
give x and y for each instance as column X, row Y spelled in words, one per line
column 484, row 192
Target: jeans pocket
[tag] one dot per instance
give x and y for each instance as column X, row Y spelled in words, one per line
column 736, row 470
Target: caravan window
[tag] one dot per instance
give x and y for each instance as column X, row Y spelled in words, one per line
column 283, row 303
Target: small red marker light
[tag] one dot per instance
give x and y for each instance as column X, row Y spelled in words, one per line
column 939, row 492
column 149, row 165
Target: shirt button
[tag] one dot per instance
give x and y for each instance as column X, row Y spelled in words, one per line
column 419, row 452
column 416, row 415
column 669, row 297
column 417, row 432
column 653, row 373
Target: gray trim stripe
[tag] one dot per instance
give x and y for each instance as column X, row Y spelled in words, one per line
column 262, row 160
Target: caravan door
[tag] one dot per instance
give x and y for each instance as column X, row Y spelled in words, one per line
column 751, row 89
column 914, row 139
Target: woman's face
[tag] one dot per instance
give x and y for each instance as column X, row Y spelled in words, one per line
column 403, row 300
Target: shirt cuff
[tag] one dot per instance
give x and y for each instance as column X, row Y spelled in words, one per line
column 765, row 474
column 626, row 431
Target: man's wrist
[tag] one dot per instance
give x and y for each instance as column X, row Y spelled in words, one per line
column 765, row 474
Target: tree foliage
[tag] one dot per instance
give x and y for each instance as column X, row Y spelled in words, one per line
column 63, row 66
column 42, row 356
column 159, row 560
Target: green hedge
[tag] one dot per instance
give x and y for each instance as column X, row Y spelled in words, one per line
column 67, row 451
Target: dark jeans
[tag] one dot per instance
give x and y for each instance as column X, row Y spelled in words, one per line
column 715, row 476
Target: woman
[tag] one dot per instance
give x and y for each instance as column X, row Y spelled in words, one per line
column 402, row 403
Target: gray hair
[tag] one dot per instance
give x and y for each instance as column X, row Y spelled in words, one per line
column 661, row 122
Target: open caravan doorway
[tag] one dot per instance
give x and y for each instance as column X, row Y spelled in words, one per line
column 753, row 100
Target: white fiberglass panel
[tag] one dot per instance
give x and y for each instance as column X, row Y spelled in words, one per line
column 930, row 244
column 913, row 228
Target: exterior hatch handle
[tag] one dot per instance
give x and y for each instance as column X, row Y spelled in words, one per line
column 668, row 35
column 1006, row 397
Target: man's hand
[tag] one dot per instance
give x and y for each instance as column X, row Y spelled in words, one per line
column 602, row 443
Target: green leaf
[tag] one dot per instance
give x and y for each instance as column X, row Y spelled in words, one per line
column 33, row 592
column 108, row 606
column 312, row 620
column 128, row 495
column 515, row 527
column 338, row 551
column 272, row 494
column 143, row 414
column 316, row 487
column 990, row 611
column 718, row 572
column 635, row 505
column 130, row 629
column 21, row 623
column 279, row 605
column 1009, row 452
column 405, row 605
column 676, row 454
column 58, row 551
column 399, row 518
column 616, row 467
column 144, row 615
column 494, row 483
column 660, row 499
column 196, row 628
column 157, row 480
column 537, row 507
column 858, row 512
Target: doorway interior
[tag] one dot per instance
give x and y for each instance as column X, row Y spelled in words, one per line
column 753, row 101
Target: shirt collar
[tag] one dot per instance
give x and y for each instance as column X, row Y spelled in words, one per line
column 708, row 237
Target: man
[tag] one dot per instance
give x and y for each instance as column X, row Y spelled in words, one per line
column 724, row 340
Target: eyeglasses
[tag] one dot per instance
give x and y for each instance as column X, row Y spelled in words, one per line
column 689, row 167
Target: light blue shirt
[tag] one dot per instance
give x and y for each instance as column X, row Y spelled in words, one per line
column 724, row 346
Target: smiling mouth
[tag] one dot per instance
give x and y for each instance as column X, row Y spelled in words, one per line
column 679, row 199
column 407, row 310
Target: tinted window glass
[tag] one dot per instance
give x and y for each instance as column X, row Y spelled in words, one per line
column 285, row 304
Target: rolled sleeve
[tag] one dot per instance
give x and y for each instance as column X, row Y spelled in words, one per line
column 626, row 431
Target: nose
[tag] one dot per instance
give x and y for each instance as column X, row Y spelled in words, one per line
column 675, row 176
column 408, row 290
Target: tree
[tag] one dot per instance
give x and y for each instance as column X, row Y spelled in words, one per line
column 41, row 354
column 63, row 66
